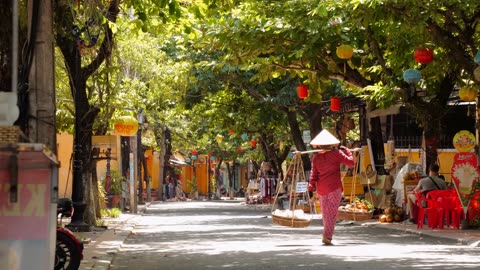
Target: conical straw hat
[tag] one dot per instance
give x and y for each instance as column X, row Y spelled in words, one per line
column 324, row 138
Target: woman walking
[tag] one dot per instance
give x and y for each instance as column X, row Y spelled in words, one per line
column 325, row 177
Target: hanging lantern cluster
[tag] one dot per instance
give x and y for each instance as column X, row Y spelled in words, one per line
column 412, row 76
column 344, row 52
column 335, row 104
column 423, row 55
column 302, row 91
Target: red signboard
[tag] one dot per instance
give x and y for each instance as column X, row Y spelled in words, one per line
column 29, row 217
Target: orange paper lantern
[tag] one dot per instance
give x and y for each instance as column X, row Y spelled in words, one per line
column 335, row 104
column 254, row 143
column 126, row 126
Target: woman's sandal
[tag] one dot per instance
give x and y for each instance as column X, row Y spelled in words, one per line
column 327, row 241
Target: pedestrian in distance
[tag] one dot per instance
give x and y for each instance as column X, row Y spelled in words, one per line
column 326, row 179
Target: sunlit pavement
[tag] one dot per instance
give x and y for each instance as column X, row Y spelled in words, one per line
column 212, row 235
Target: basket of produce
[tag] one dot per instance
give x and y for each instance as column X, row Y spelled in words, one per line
column 288, row 218
column 358, row 210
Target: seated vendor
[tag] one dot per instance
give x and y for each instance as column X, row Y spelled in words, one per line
column 426, row 184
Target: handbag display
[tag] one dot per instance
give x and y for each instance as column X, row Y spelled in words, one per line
column 384, row 182
column 369, row 176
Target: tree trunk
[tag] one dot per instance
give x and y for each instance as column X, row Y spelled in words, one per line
column 297, row 135
column 84, row 113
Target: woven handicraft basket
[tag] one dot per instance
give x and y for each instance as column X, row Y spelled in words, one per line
column 291, row 222
column 10, row 135
column 355, row 216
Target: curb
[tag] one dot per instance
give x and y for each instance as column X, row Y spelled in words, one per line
column 472, row 241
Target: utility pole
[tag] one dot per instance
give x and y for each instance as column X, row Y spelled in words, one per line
column 133, row 175
column 140, row 156
column 41, row 123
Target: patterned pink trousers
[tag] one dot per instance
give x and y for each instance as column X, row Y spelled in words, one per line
column 329, row 204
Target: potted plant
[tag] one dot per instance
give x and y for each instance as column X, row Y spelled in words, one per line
column 116, row 182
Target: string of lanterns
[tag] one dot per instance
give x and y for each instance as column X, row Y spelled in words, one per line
column 422, row 55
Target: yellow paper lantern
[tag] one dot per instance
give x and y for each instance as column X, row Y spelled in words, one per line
column 219, row 138
column 126, row 126
column 467, row 93
column 344, row 52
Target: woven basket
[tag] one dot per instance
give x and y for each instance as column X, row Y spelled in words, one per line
column 291, row 222
column 10, row 135
column 355, row 216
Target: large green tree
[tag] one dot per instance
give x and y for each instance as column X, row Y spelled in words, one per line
column 300, row 38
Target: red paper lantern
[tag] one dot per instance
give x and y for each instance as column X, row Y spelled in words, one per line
column 239, row 149
column 194, row 152
column 335, row 104
column 231, row 131
column 254, row 143
column 302, row 91
column 423, row 55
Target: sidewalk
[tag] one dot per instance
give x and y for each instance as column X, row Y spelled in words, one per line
column 105, row 243
column 102, row 244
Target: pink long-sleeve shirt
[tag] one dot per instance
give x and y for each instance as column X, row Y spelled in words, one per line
column 325, row 174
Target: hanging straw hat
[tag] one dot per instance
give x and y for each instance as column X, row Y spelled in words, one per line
column 325, row 138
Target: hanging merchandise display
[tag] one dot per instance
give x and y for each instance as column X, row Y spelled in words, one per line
column 412, row 76
column 335, row 104
column 423, row 55
column 302, row 91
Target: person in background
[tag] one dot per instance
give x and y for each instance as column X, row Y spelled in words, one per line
column 326, row 179
column 432, row 182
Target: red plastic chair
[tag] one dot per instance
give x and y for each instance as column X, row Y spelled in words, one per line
column 430, row 210
column 448, row 207
column 440, row 200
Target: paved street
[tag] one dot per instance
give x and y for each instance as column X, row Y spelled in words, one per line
column 216, row 235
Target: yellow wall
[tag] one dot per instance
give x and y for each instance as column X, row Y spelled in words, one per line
column 445, row 158
column 64, row 148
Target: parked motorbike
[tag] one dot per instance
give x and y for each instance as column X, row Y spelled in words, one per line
column 68, row 249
